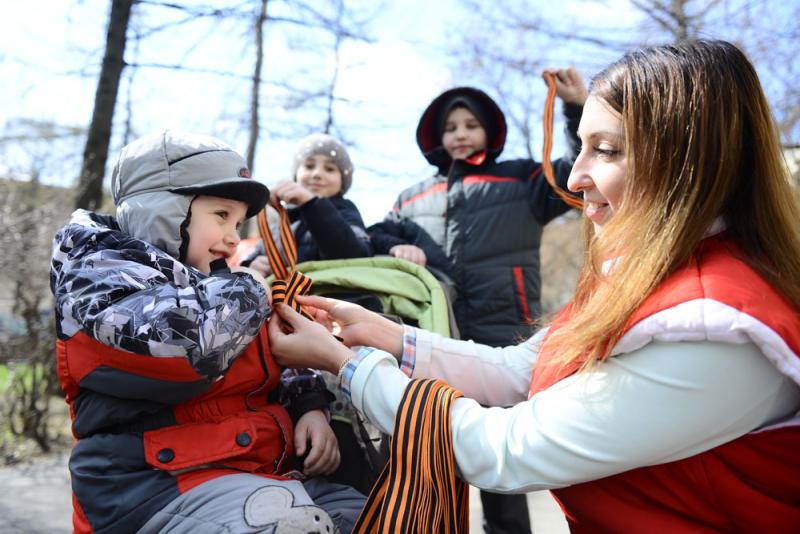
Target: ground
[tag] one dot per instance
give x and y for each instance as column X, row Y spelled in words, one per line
column 36, row 498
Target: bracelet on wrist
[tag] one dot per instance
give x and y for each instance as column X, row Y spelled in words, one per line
column 342, row 368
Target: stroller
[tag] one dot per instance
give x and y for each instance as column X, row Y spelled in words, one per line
column 400, row 290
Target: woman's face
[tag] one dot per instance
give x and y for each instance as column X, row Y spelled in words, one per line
column 600, row 169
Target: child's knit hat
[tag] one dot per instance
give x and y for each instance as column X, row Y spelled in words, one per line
column 325, row 145
column 157, row 176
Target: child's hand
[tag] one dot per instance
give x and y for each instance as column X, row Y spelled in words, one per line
column 313, row 430
column 410, row 253
column 569, row 85
column 292, row 192
column 261, row 264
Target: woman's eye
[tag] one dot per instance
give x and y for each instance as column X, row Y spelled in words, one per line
column 606, row 152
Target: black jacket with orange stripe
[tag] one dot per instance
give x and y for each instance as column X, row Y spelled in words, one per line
column 480, row 221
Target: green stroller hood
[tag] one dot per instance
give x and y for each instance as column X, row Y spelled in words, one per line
column 404, row 289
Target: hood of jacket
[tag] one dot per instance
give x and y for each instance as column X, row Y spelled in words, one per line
column 486, row 110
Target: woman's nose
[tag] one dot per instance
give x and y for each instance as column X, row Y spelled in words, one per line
column 579, row 178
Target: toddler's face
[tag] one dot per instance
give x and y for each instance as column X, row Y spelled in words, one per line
column 213, row 230
column 320, row 175
column 463, row 134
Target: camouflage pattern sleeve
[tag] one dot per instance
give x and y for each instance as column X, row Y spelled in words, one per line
column 132, row 296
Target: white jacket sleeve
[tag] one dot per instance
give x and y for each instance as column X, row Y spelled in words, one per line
column 493, row 376
column 664, row 402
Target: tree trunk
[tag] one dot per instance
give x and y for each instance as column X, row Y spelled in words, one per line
column 254, row 99
column 337, row 47
column 90, row 184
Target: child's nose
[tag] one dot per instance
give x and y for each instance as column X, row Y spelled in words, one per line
column 232, row 237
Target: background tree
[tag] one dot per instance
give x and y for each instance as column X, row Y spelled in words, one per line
column 29, row 212
column 90, row 183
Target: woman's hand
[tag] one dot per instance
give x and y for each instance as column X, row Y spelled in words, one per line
column 297, row 342
column 314, row 430
column 569, row 85
column 355, row 325
column 411, row 253
column 292, row 193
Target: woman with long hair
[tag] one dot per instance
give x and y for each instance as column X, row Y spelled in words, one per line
column 666, row 394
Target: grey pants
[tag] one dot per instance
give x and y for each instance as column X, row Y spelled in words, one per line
column 248, row 503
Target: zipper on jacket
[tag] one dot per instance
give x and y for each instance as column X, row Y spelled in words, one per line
column 263, row 361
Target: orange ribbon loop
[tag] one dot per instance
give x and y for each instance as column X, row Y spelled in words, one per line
column 547, row 166
column 288, row 282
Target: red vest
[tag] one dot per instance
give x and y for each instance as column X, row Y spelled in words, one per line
column 230, row 428
column 751, row 484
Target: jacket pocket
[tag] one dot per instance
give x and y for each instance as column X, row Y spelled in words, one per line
column 251, row 441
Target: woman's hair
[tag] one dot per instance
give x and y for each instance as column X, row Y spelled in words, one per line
column 700, row 143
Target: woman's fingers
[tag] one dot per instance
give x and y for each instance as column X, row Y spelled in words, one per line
column 321, row 303
column 289, row 316
column 276, row 329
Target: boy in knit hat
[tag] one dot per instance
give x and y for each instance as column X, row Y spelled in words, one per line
column 326, row 225
column 184, row 420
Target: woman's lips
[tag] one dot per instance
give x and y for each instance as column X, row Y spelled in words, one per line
column 596, row 211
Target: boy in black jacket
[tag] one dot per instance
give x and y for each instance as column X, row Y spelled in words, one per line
column 480, row 221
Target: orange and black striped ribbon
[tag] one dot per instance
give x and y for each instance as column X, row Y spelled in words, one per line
column 288, row 282
column 418, row 490
column 547, row 166
column 284, row 291
column 281, row 267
